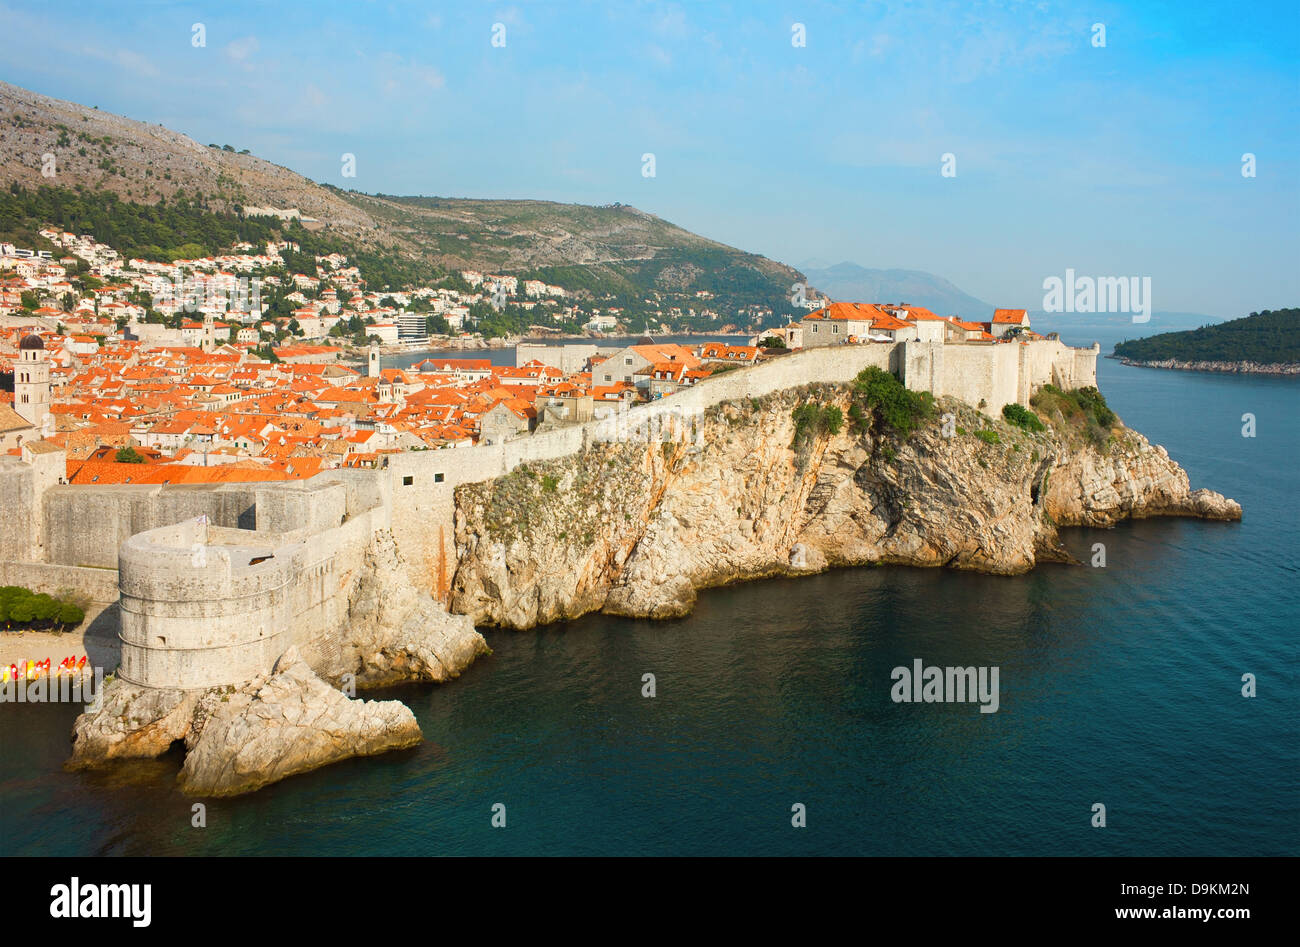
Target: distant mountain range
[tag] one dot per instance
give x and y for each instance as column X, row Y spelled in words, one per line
column 849, row 282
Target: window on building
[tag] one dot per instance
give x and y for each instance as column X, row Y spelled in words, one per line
column 407, row 481
column 437, row 478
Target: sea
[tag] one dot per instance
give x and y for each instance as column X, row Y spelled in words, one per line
column 763, row 723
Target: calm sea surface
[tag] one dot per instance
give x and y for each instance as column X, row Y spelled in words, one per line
column 1119, row 685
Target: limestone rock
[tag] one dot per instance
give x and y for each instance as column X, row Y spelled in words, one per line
column 395, row 633
column 286, row 722
column 131, row 723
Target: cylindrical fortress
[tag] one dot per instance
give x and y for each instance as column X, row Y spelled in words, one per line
column 203, row 606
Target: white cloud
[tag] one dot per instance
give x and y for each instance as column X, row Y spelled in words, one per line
column 241, row 49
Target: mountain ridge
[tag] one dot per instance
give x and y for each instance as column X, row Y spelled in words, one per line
column 610, row 249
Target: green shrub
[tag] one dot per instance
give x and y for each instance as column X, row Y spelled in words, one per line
column 1022, row 417
column 892, row 404
column 1083, row 409
column 832, row 419
column 1091, row 401
column 988, row 436
column 813, row 420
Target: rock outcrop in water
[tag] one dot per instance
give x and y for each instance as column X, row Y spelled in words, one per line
column 637, row 528
column 292, row 719
column 286, row 722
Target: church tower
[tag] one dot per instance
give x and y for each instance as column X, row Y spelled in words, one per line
column 372, row 363
column 32, row 381
column 209, row 343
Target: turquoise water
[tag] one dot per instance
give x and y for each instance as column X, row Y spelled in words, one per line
column 1118, row 685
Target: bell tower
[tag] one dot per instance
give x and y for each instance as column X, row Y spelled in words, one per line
column 209, row 341
column 372, row 362
column 32, row 381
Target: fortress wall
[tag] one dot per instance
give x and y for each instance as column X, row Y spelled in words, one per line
column 982, row 372
column 86, row 525
column 920, row 366
column 1085, row 365
column 98, row 586
column 830, row 365
column 19, row 526
column 421, row 485
column 314, row 505
column 332, row 565
column 364, row 491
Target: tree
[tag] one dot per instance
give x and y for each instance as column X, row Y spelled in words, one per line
column 128, row 455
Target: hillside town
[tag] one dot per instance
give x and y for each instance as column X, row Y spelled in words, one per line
column 215, row 392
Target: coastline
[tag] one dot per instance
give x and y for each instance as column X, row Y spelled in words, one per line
column 1235, row 368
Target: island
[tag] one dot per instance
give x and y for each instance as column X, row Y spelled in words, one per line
column 1265, row 342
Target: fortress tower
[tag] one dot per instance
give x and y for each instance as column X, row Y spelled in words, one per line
column 32, row 381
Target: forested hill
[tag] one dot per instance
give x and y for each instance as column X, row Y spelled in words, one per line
column 1268, row 338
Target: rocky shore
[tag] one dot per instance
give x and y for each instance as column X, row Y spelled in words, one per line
column 1242, row 367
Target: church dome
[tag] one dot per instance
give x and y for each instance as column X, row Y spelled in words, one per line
column 30, row 342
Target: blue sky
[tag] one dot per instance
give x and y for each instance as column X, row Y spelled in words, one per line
column 1116, row 161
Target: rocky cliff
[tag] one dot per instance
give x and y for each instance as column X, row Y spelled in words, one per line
column 292, row 719
column 637, row 528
